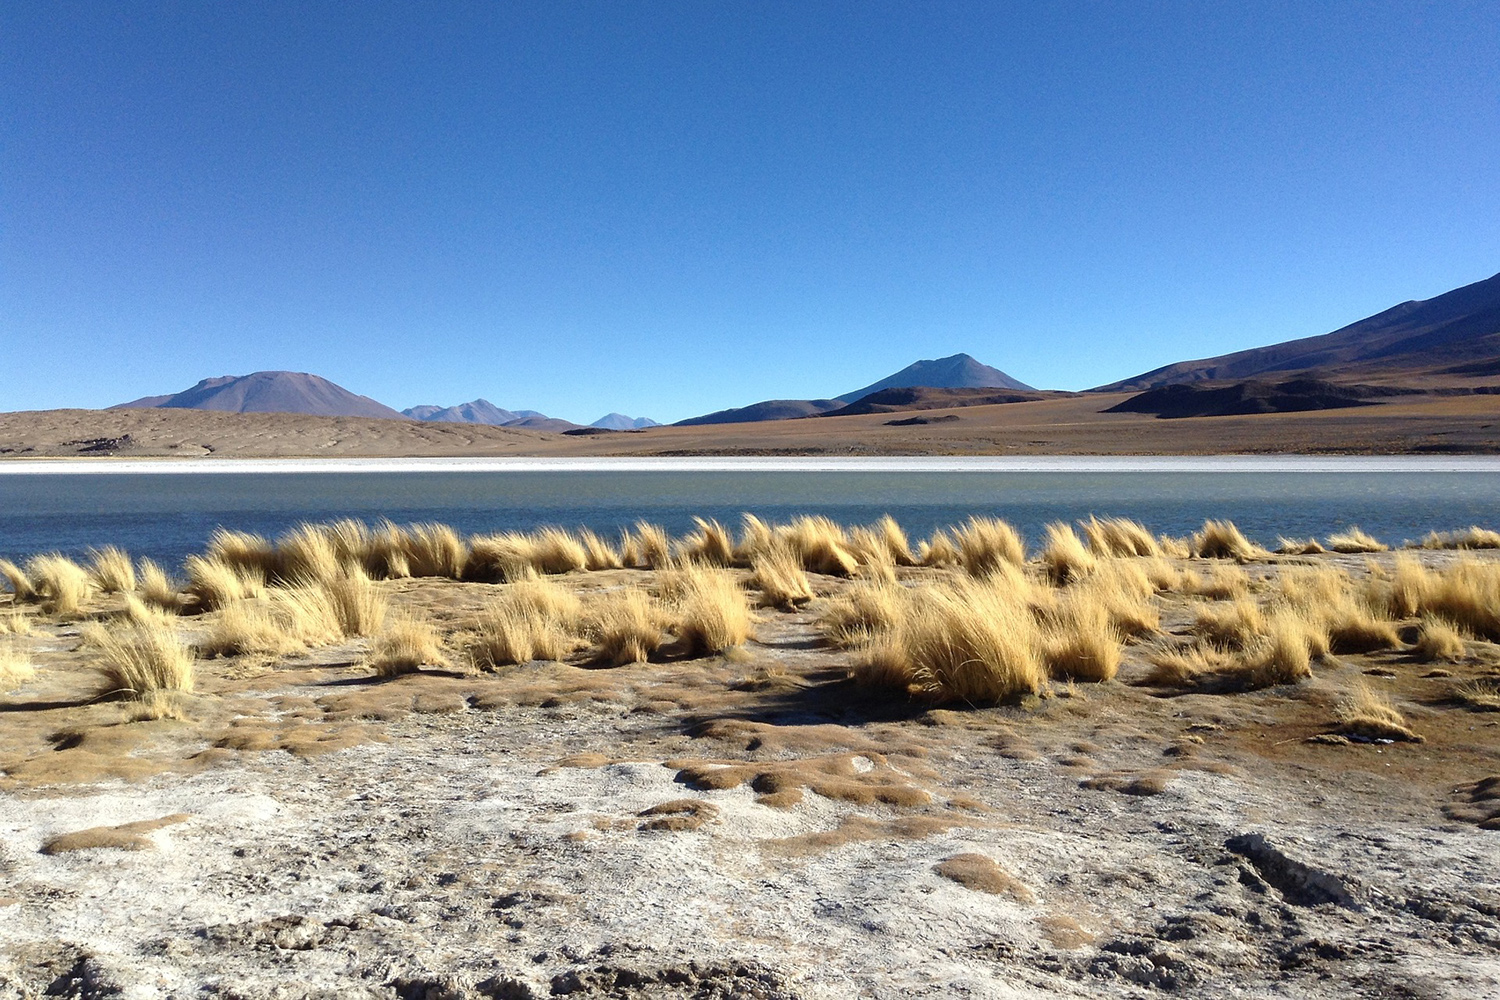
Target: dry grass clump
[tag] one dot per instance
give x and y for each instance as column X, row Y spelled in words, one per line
column 777, row 573
column 140, row 660
column 1223, row 540
column 1230, row 624
column 648, row 547
column 214, row 583
column 711, row 613
column 965, row 641
column 20, row 583
column 531, row 620
column 987, row 543
column 708, row 544
column 15, row 666
column 260, row 627
column 1064, row 555
column 1081, row 641
column 598, row 554
column 14, row 623
column 939, row 550
column 1162, row 573
column 405, row 645
column 896, row 542
column 1218, row 583
column 1467, row 594
column 503, row 557
column 1371, row 715
column 1352, row 628
column 434, row 550
column 756, row 536
column 821, row 544
column 625, row 626
column 1439, row 640
column 1123, row 590
column 111, row 569
column 555, row 551
column 1282, row 654
column 1473, row 537
column 138, row 611
column 1185, row 666
column 1354, row 539
column 1298, row 546
column 358, row 605
column 242, row 550
column 1120, row 536
column 60, row 583
column 305, row 553
column 155, row 588
column 861, row 612
column 1482, row 695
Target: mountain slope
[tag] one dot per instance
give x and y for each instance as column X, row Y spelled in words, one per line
column 958, row 371
column 269, row 392
column 480, row 411
column 1460, row 329
column 620, row 422
column 770, row 409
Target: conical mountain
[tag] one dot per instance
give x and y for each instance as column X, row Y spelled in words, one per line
column 269, row 392
column 958, row 371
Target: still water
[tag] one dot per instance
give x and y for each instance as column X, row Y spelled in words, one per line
column 168, row 516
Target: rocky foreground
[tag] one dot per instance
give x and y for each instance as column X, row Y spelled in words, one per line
column 755, row 824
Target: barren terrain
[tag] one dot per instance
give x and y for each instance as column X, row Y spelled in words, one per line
column 749, row 824
column 1071, row 425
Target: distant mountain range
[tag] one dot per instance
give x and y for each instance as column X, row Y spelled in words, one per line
column 1456, row 333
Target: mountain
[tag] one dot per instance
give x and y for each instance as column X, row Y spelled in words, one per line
column 620, row 422
column 956, row 372
column 923, row 397
column 480, row 411
column 269, row 392
column 1456, row 333
column 1221, row 399
column 770, row 409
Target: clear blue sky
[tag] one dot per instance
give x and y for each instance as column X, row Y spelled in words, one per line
column 668, row 208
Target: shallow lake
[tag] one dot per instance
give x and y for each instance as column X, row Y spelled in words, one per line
column 167, row 516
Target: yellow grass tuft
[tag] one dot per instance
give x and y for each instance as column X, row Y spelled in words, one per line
column 710, row 613
column 14, row 623
column 358, row 605
column 1162, row 573
column 1119, row 536
column 1365, row 712
column 1298, row 546
column 213, row 582
column 15, row 666
column 138, row 611
column 1230, row 624
column 1064, row 555
column 503, row 557
column 967, row 641
column 939, row 550
column 896, row 542
column 985, row 543
column 1223, row 540
column 625, row 627
column 61, row 583
column 1185, row 667
column 242, row 550
column 20, row 583
column 307, row 552
column 1467, row 593
column 1080, row 641
column 434, row 550
column 598, row 553
column 1218, row 583
column 512, row 632
column 405, row 645
column 1439, row 640
column 1473, row 537
column 708, row 544
column 821, row 544
column 777, row 573
column 111, row 569
column 263, row 627
column 1354, row 539
column 155, row 588
column 385, row 556
column 648, row 547
column 139, row 660
column 756, row 536
column 1123, row 591
column 554, row 552
column 862, row 611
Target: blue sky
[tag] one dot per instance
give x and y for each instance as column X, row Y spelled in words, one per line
column 668, row 208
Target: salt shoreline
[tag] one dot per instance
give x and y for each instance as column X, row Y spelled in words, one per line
column 916, row 464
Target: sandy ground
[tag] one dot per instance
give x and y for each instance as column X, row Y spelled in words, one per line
column 754, row 825
column 1070, row 426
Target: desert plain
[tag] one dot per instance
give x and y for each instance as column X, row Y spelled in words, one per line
column 556, row 765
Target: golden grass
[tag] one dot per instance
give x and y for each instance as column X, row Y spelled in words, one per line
column 1298, row 546
column 1064, row 555
column 263, row 627
column 1467, row 593
column 1162, row 573
column 1473, row 537
column 405, row 645
column 20, row 583
column 511, row 632
column 756, row 536
column 60, row 583
column 966, row 641
column 708, row 544
column 1123, row 591
column 359, row 607
column 554, row 551
column 821, row 544
column 1354, row 539
column 896, row 542
column 138, row 611
column 111, row 570
column 502, row 557
column 1230, row 624
column 986, row 543
column 16, row 667
column 1439, row 640
column 1352, row 628
column 625, row 626
column 1119, row 536
column 710, row 613
column 1080, row 641
column 1281, row 654
column 939, row 550
column 1367, row 713
column 1223, row 540
column 1217, row 583
column 434, row 550
column 139, row 660
column 598, row 554
column 862, row 611
column 14, row 623
column 1481, row 695
column 242, row 550
column 777, row 573
column 307, row 552
column 214, row 582
column 156, row 588
column 1185, row 666
column 647, row 547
